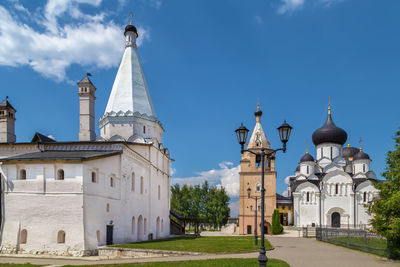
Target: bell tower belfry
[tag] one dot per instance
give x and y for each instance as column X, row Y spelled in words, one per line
column 250, row 183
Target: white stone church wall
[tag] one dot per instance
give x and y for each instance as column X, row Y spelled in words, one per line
column 42, row 215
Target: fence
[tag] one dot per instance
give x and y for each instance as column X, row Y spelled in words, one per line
column 354, row 238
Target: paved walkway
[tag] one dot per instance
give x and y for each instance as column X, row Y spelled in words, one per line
column 298, row 252
column 308, row 252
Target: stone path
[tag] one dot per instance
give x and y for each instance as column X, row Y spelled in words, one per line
column 308, row 252
column 298, row 252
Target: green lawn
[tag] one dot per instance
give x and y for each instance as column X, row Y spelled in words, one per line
column 204, row 263
column 374, row 245
column 205, row 244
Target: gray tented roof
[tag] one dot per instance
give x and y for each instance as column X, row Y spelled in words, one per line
column 62, row 155
column 6, row 104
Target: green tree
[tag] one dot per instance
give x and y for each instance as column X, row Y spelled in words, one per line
column 202, row 203
column 276, row 227
column 386, row 209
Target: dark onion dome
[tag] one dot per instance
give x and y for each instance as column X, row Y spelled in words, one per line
column 329, row 133
column 306, row 157
column 258, row 112
column 131, row 28
column 361, row 155
column 349, row 151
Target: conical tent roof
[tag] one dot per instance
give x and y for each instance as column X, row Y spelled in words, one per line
column 130, row 91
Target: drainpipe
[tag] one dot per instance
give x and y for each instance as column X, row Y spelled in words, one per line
column 354, row 198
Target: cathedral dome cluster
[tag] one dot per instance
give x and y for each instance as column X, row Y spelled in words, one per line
column 332, row 188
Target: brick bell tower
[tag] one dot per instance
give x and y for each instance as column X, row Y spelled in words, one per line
column 250, row 178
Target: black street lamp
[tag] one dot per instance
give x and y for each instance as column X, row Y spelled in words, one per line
column 255, row 217
column 284, row 134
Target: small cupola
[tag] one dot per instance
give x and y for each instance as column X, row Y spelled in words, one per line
column 361, row 162
column 307, row 164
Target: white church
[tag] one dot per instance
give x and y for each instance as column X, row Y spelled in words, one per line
column 333, row 189
column 68, row 198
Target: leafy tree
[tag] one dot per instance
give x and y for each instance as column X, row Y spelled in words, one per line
column 276, row 227
column 386, row 209
column 203, row 203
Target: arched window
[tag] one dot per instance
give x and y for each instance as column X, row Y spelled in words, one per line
column 22, row 174
column 331, row 152
column 141, row 184
column 133, row 225
column 363, row 167
column 98, row 236
column 322, row 152
column 108, row 207
column 24, row 235
column 133, row 182
column 159, row 192
column 112, row 181
column 145, row 226
column 60, row 174
column 94, row 178
column 354, row 169
column 365, row 197
column 144, row 129
column 258, row 187
column 337, row 189
column 308, row 196
column 61, row 237
column 308, row 169
column 162, row 225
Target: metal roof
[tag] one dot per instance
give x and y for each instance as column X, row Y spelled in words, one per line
column 130, row 91
column 62, row 155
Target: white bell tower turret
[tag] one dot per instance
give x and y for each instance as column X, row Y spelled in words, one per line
column 130, row 115
column 7, row 122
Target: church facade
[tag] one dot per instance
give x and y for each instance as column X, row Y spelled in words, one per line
column 68, row 198
column 334, row 188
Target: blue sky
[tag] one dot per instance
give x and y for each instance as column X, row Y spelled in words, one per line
column 206, row 63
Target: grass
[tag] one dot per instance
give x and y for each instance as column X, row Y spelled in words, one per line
column 204, row 263
column 204, row 244
column 374, row 245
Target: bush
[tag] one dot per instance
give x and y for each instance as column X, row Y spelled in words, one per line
column 276, row 227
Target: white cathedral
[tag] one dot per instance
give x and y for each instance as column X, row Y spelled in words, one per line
column 333, row 189
column 68, row 198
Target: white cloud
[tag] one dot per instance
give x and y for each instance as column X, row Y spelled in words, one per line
column 259, row 19
column 234, row 206
column 227, row 175
column 289, row 6
column 87, row 41
column 287, row 180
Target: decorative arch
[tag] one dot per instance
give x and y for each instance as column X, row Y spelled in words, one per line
column 332, row 213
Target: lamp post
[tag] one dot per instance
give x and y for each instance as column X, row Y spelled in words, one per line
column 255, row 217
column 284, row 134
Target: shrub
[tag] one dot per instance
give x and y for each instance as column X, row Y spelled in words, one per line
column 276, row 227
